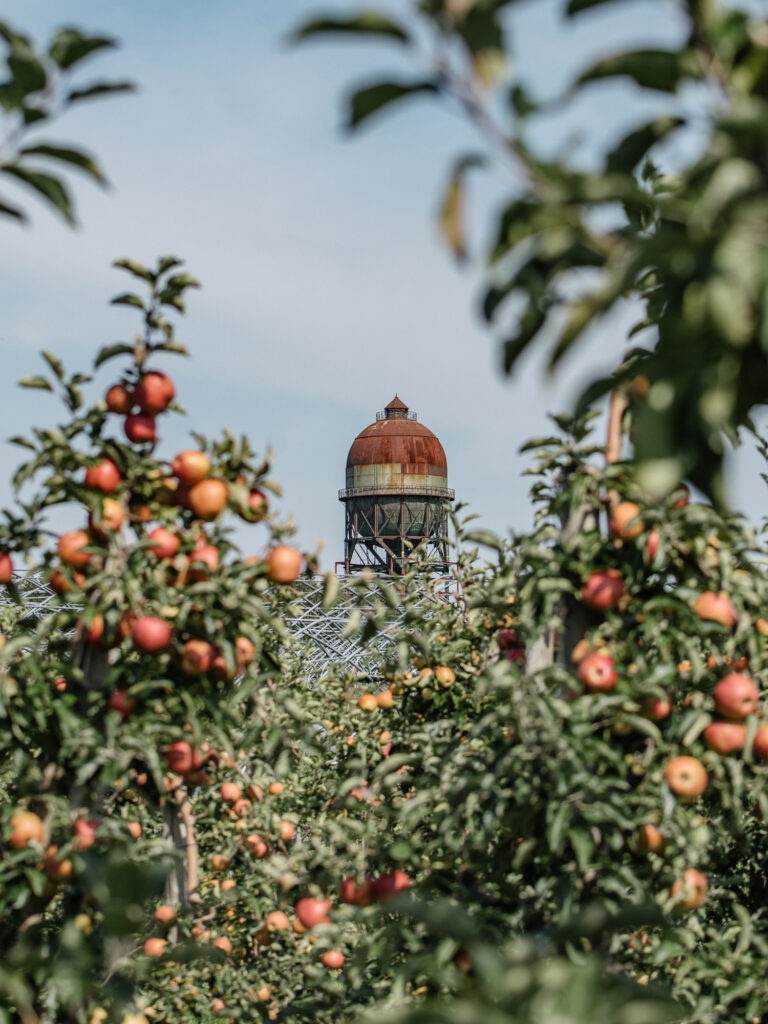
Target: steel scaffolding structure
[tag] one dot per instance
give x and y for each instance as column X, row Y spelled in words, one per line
column 323, row 638
column 331, row 636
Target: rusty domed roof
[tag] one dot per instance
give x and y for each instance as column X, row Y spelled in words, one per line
column 396, row 437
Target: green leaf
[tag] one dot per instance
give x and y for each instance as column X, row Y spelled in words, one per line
column 531, row 322
column 364, row 23
column 70, row 46
column 330, row 590
column 110, row 351
column 662, row 70
column 75, row 157
column 74, row 397
column 451, row 217
column 50, row 188
column 137, row 269
column 33, row 115
column 98, row 89
column 11, row 211
column 171, row 346
column 127, row 299
column 451, row 212
column 55, row 364
column 633, row 147
column 35, row 382
column 579, row 315
column 520, row 101
column 577, row 6
column 582, row 845
column 183, row 281
column 486, row 538
column 166, row 263
column 558, row 822
column 13, row 38
column 374, row 98
column 27, row 73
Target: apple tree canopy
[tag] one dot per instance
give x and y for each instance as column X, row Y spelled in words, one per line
column 684, row 244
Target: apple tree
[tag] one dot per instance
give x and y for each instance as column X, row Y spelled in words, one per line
column 135, row 693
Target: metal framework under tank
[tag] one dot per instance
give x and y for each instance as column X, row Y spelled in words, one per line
column 396, row 496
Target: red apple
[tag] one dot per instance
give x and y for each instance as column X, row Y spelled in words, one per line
column 760, row 742
column 690, row 891
column 165, row 914
column 220, row 670
column 164, row 543
column 84, row 831
column 109, row 519
column 258, row 847
column 333, row 959
column 603, row 589
column 257, row 507
column 624, row 522
column 190, row 467
column 245, row 652
column 154, row 392
column 60, row 583
column 358, row 894
column 71, row 548
column 95, row 630
column 6, row 567
column 648, row 839
column 26, row 828
column 652, row 543
column 712, row 607
column 284, row 564
column 725, row 737
column 119, row 399
column 140, row 428
column 104, row 476
column 686, row 776
column 184, row 759
column 208, row 498
column 124, row 705
column 230, row 792
column 57, row 868
column 203, row 561
column 313, row 910
column 150, row 634
column 196, row 657
column 390, row 885
column 155, row 946
column 597, row 671
column 736, row 696
column 656, row 708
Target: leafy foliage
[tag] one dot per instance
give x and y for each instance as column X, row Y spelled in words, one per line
column 37, row 89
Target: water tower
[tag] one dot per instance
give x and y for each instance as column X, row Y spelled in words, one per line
column 396, row 494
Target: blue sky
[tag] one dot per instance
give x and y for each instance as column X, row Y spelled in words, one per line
column 325, row 289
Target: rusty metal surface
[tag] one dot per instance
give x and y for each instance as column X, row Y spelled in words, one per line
column 398, row 441
column 415, row 488
column 396, row 495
